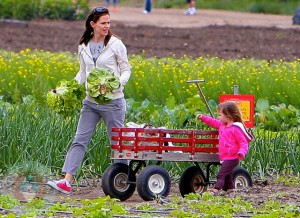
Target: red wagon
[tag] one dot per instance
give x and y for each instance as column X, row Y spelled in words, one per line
column 133, row 150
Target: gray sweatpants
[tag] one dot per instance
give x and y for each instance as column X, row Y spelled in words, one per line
column 113, row 115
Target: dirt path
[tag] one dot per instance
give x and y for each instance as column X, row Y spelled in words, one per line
column 165, row 32
column 175, row 18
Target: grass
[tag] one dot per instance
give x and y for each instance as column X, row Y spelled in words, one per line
column 48, row 133
column 31, row 133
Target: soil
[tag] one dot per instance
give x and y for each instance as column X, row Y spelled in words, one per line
column 262, row 191
column 162, row 33
column 165, row 32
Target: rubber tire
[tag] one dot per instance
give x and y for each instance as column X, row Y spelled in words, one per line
column 241, row 178
column 113, row 181
column 189, row 179
column 153, row 180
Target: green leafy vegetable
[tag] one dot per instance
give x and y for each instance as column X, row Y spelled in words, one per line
column 66, row 98
column 101, row 83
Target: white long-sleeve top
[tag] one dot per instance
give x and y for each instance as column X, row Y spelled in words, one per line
column 113, row 57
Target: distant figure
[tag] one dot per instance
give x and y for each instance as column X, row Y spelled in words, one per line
column 148, row 6
column 296, row 17
column 115, row 2
column 191, row 7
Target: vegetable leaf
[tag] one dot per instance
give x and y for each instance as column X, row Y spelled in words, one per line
column 101, row 83
column 66, row 98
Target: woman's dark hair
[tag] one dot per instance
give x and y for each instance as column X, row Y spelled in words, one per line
column 94, row 16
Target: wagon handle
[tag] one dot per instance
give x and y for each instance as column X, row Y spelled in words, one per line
column 201, row 93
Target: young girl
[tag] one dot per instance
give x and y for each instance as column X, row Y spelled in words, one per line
column 233, row 142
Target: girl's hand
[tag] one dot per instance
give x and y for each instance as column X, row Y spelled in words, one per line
column 241, row 156
column 199, row 116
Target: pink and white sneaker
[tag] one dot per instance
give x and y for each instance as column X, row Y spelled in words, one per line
column 61, row 185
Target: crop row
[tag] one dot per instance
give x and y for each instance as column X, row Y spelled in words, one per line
column 36, row 72
column 158, row 94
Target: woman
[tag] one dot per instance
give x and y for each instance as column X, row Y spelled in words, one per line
column 98, row 47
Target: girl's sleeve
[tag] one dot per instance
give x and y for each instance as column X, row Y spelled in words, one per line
column 81, row 75
column 215, row 123
column 123, row 63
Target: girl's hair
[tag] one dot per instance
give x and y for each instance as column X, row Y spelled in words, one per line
column 94, row 16
column 230, row 109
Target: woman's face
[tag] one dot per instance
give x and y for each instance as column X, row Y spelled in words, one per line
column 102, row 26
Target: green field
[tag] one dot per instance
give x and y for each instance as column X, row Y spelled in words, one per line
column 158, row 94
column 34, row 139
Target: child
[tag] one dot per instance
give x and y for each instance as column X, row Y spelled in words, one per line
column 191, row 7
column 233, row 142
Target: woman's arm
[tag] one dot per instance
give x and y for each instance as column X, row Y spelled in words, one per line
column 123, row 63
column 81, row 75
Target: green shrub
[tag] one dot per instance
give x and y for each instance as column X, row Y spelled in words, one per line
column 54, row 9
column 62, row 9
column 22, row 10
column 49, row 9
column 257, row 8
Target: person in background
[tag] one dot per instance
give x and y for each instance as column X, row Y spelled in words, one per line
column 233, row 142
column 191, row 7
column 98, row 47
column 115, row 7
column 148, row 6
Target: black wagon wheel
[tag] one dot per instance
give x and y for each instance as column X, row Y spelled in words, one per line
column 153, row 180
column 115, row 181
column 192, row 181
column 241, row 178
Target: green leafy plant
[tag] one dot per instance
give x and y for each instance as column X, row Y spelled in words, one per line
column 32, row 170
column 8, row 202
column 276, row 118
column 289, row 180
column 101, row 83
column 66, row 98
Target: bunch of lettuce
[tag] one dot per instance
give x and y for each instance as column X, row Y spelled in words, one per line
column 100, row 85
column 66, row 98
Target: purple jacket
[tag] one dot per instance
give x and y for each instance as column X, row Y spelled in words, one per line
column 233, row 139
